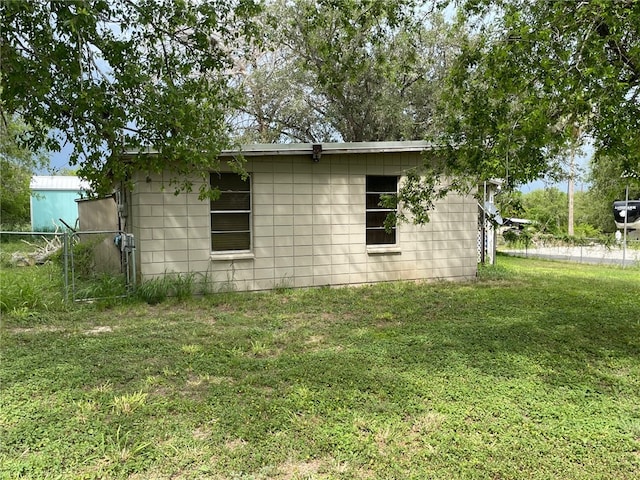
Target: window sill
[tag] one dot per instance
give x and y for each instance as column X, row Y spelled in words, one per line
column 226, row 256
column 384, row 250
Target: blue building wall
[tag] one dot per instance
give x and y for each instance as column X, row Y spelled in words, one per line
column 48, row 206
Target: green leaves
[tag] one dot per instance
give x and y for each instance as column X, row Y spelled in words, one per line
column 350, row 71
column 17, row 164
column 534, row 72
column 113, row 75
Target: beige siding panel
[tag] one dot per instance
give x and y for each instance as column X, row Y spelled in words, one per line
column 308, row 226
column 301, row 281
column 154, row 269
column 341, row 268
column 145, row 234
column 158, row 257
column 146, row 257
column 151, row 199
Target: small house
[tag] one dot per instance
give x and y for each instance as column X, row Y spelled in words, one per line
column 306, row 215
column 53, row 201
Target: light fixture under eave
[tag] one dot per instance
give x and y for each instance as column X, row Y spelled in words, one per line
column 317, row 152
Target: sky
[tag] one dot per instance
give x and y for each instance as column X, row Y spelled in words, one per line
column 60, row 160
column 582, row 162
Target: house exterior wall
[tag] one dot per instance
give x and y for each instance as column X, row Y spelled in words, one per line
column 308, row 228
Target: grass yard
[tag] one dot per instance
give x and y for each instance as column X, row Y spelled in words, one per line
column 531, row 372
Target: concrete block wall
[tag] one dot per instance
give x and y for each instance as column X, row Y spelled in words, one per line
column 308, row 228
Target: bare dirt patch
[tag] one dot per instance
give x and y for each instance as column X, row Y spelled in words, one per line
column 235, row 444
column 298, row 469
column 40, row 329
column 98, row 330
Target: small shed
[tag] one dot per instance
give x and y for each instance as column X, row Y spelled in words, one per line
column 53, row 197
column 306, row 215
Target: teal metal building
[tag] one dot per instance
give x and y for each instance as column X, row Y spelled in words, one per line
column 53, row 197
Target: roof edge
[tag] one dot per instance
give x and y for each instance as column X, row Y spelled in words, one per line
column 328, row 148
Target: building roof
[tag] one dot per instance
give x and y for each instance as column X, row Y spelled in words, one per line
column 259, row 149
column 263, row 149
column 58, row 182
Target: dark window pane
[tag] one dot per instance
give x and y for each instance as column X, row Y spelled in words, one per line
column 377, row 187
column 230, row 217
column 232, row 201
column 380, row 237
column 376, row 219
column 373, row 200
column 229, row 222
column 230, row 241
column 382, row 184
column 229, row 182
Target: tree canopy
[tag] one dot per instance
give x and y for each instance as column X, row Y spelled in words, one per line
column 16, row 167
column 345, row 71
column 533, row 77
column 109, row 75
column 506, row 90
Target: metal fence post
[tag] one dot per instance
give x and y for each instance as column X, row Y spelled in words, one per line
column 65, row 256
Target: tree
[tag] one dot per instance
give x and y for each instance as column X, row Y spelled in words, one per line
column 108, row 75
column 349, row 71
column 529, row 74
column 17, row 164
column 547, row 208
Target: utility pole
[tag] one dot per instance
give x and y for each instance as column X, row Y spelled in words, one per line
column 576, row 134
column 570, row 188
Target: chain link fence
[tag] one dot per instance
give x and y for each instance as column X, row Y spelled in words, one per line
column 93, row 264
column 99, row 264
column 593, row 251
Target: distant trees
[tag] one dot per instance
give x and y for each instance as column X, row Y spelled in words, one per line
column 609, row 180
column 548, row 207
column 345, row 71
column 17, row 164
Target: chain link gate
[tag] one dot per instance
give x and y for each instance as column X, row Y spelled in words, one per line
column 99, row 265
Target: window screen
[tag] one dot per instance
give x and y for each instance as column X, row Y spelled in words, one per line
column 378, row 187
column 231, row 213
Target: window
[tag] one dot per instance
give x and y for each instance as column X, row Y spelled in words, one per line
column 231, row 213
column 378, row 187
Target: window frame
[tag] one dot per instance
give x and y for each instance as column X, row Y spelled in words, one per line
column 368, row 228
column 214, row 181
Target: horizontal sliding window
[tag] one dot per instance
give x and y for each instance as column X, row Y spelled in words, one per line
column 231, row 213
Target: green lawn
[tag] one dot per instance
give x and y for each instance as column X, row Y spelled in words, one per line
column 531, row 372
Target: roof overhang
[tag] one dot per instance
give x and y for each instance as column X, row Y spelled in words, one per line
column 279, row 149
column 264, row 149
